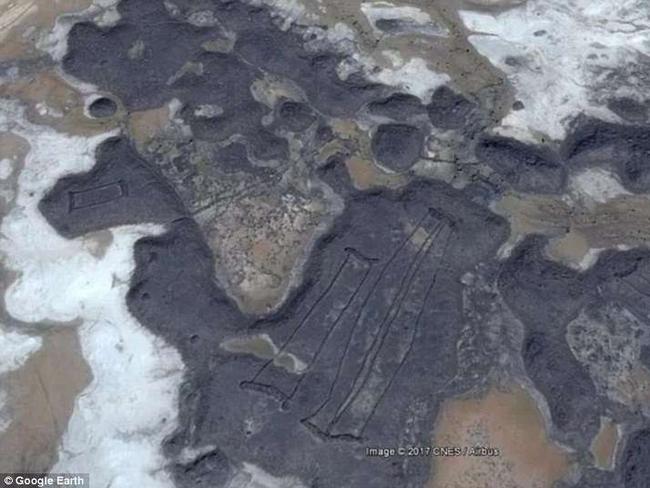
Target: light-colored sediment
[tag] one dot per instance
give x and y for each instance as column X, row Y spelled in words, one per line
column 15, row 350
column 40, row 398
column 609, row 348
column 252, row 476
column 605, row 443
column 364, row 172
column 260, row 234
column 51, row 101
column 119, row 421
column 39, row 385
column 144, row 125
column 263, row 347
column 260, row 243
column 596, row 214
column 506, row 419
column 25, row 22
column 13, row 148
column 496, row 3
column 365, row 175
column 419, row 58
column 569, row 57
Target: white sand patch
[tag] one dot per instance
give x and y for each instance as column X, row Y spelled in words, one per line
column 252, row 476
column 6, row 168
column 596, row 185
column 55, row 43
column 190, row 454
column 44, row 110
column 505, row 250
column 417, row 21
column 291, row 11
column 15, row 349
column 413, row 76
column 496, row 3
column 564, row 57
column 120, row 420
column 590, row 258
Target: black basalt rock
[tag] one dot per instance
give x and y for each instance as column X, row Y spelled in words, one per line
column 397, row 146
column 525, row 167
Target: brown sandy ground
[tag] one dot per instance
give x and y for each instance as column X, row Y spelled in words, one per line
column 605, row 443
column 507, row 419
column 24, row 22
column 574, row 228
column 41, row 397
